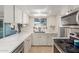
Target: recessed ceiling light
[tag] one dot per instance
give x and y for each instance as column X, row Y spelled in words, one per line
column 39, row 10
column 39, row 14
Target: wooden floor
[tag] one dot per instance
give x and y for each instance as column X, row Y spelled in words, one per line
column 41, row 49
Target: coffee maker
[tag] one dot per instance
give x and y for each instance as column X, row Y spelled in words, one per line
column 19, row 27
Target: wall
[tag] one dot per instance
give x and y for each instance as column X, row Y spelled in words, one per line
column 72, row 30
column 29, row 26
column 22, row 17
column 64, row 12
column 31, row 23
column 51, row 21
column 52, row 24
column 45, row 39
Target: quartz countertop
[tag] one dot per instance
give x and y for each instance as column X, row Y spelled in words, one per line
column 60, row 37
column 8, row 44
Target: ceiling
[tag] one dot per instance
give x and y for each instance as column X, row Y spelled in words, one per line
column 46, row 9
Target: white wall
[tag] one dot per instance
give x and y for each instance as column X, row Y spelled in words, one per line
column 29, row 26
column 51, row 21
column 31, row 23
column 72, row 30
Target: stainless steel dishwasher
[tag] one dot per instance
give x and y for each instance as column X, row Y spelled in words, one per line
column 19, row 49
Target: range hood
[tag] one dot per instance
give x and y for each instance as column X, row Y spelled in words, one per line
column 71, row 19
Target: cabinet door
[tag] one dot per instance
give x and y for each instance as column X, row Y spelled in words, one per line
column 18, row 15
column 49, row 39
column 25, row 18
column 43, row 39
column 42, row 42
column 27, row 44
column 39, row 39
column 36, row 38
column 36, row 42
column 8, row 14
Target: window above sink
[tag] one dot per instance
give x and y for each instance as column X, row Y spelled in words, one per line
column 40, row 25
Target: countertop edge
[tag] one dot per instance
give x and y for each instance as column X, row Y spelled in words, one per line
column 4, row 41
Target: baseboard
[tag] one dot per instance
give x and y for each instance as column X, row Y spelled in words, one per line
column 41, row 45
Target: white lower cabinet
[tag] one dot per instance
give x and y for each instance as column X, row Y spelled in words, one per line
column 27, row 44
column 49, row 39
column 42, row 38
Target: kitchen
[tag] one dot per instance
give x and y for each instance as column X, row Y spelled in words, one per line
column 38, row 28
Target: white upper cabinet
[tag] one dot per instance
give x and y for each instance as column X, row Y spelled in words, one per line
column 8, row 14
column 15, row 14
column 18, row 15
column 25, row 18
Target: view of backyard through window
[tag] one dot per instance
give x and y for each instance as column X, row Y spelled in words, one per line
column 40, row 25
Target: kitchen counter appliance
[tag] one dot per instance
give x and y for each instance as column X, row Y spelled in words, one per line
column 71, row 19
